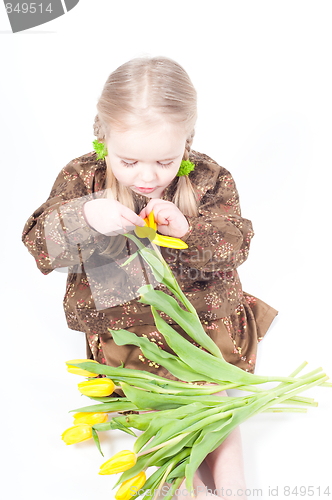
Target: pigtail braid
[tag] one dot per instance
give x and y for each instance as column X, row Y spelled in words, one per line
column 185, row 197
column 98, row 129
column 189, row 142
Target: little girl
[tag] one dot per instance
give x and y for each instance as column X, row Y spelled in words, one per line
column 145, row 128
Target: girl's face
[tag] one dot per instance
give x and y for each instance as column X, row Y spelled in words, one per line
column 147, row 158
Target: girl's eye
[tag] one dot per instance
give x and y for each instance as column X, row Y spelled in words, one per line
column 165, row 164
column 134, row 163
column 128, row 164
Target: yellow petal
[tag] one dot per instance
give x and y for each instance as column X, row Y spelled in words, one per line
column 168, row 241
column 129, row 488
column 90, row 418
column 79, row 371
column 120, row 462
column 152, row 222
column 100, row 387
column 77, row 433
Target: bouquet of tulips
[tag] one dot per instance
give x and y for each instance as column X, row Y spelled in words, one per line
column 182, row 421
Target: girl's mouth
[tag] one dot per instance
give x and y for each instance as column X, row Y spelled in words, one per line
column 145, row 190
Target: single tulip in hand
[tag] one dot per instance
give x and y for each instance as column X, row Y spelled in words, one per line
column 170, row 220
column 149, row 231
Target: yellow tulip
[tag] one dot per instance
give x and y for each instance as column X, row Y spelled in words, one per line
column 120, row 462
column 149, row 231
column 79, row 371
column 130, row 487
column 77, row 433
column 90, row 418
column 97, row 388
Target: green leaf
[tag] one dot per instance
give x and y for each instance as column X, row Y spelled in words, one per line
column 120, row 427
column 166, row 276
column 152, row 401
column 157, row 267
column 173, row 488
column 120, row 373
column 153, row 481
column 191, row 423
column 188, row 321
column 151, row 351
column 205, row 364
column 112, row 425
column 181, row 455
column 108, row 407
column 140, row 421
column 147, row 400
column 180, row 470
column 96, row 440
column 132, row 257
column 169, row 451
column 200, row 450
column 162, row 418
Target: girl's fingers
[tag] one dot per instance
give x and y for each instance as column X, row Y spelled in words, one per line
column 128, row 225
column 160, row 220
column 121, row 227
column 130, row 216
column 160, row 212
column 156, row 205
column 164, row 216
column 143, row 213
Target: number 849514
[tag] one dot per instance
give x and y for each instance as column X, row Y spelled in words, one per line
column 31, row 8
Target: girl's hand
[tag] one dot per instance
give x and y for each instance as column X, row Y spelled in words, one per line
column 170, row 221
column 110, row 217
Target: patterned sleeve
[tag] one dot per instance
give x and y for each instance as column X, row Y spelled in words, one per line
column 56, row 234
column 219, row 238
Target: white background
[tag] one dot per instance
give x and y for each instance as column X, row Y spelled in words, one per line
column 262, row 70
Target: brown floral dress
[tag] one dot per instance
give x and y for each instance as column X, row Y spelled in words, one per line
column 218, row 240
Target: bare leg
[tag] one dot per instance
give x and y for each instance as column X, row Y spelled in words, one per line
column 226, row 465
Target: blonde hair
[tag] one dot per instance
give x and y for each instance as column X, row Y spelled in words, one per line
column 136, row 94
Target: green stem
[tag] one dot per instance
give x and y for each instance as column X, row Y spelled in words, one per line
column 254, row 388
column 301, row 400
column 162, row 445
column 173, row 488
column 180, row 293
column 299, row 388
column 285, row 409
column 163, row 479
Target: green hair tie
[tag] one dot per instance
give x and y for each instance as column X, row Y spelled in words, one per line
column 185, row 167
column 100, row 148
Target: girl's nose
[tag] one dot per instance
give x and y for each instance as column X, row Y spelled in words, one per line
column 147, row 174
